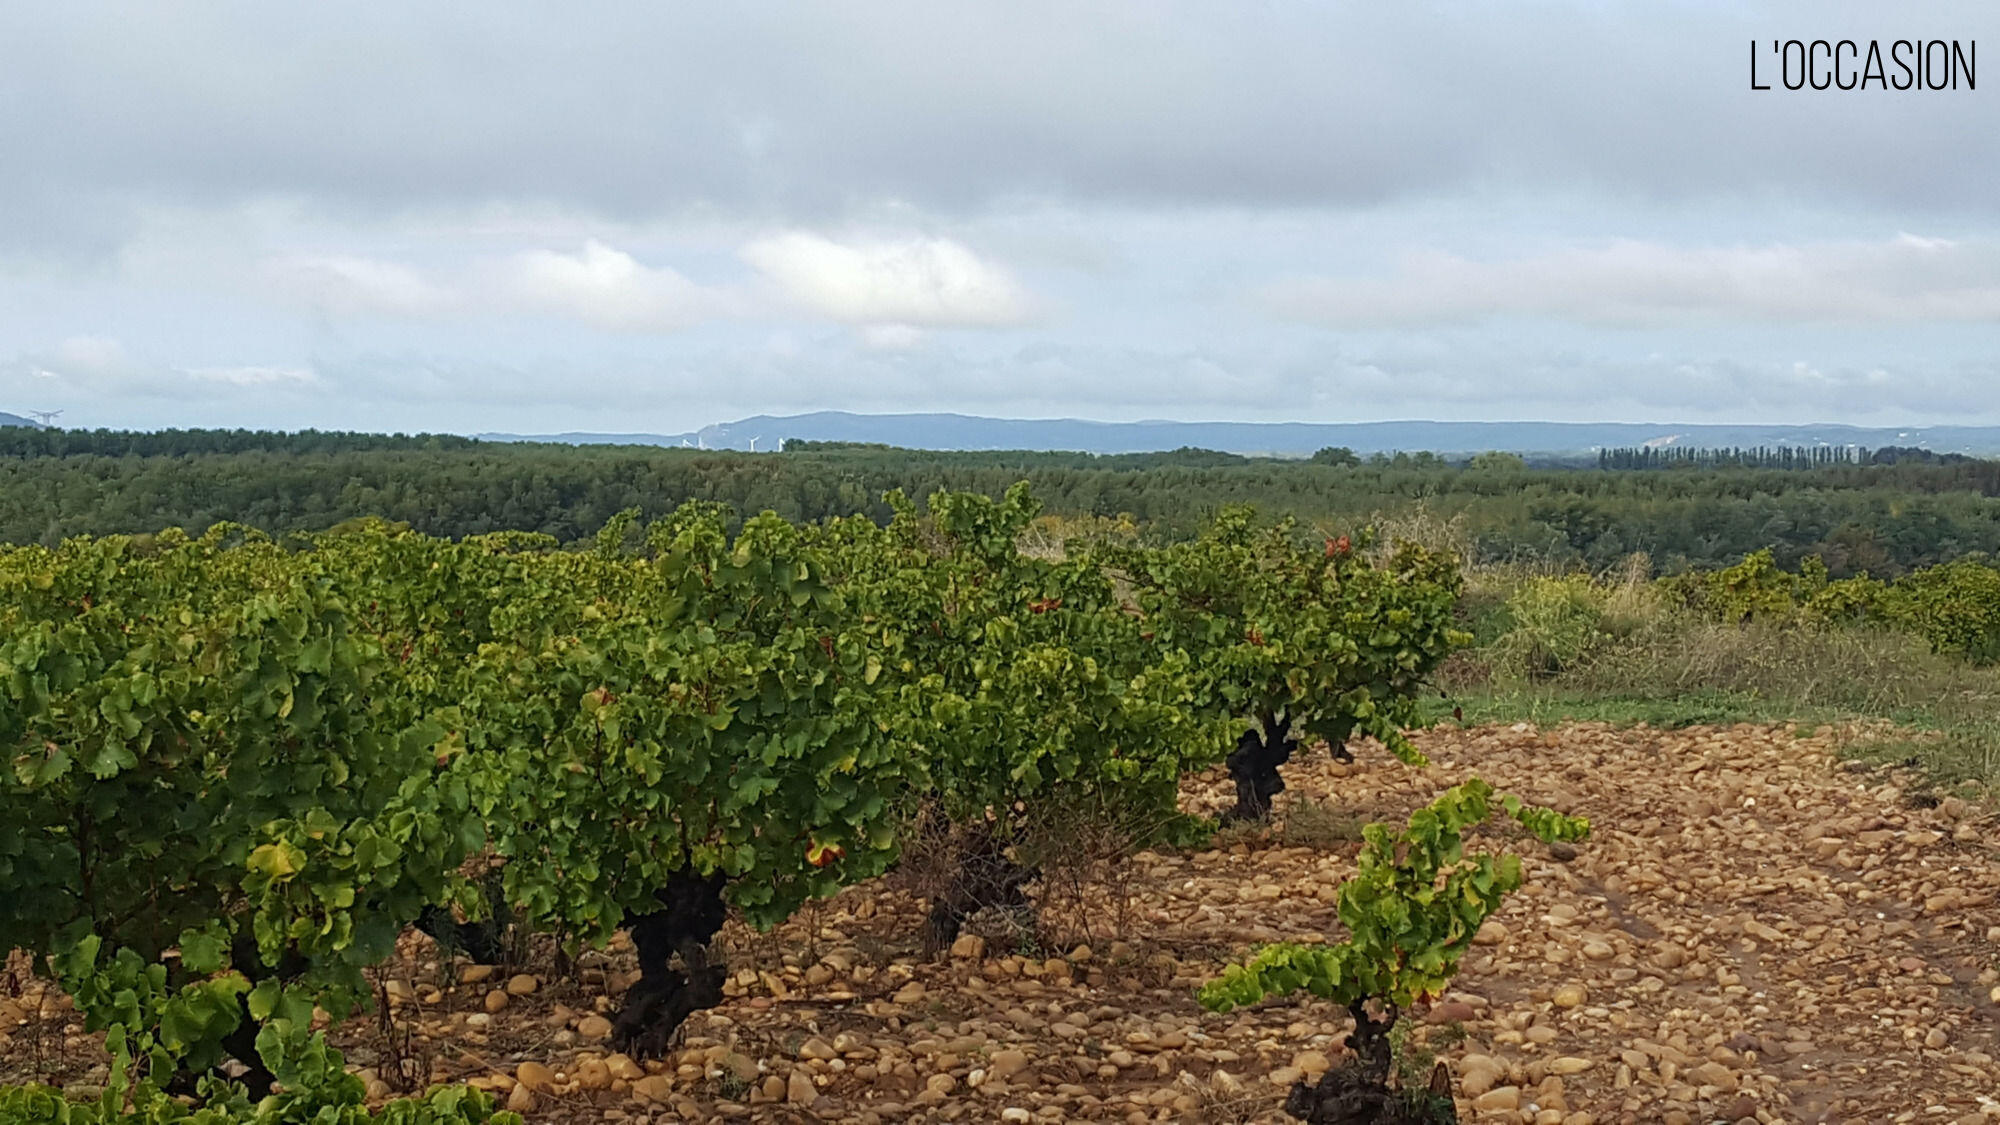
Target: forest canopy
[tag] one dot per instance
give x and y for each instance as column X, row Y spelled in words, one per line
column 1883, row 512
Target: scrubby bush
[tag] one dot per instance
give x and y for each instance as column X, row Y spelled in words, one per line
column 1754, row 589
column 1956, row 607
column 1553, row 624
column 1851, row 601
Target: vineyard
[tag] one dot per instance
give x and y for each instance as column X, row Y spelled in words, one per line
column 717, row 780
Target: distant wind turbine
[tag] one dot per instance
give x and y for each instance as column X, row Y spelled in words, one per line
column 45, row 416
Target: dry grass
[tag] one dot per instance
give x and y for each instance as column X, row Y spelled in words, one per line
column 1652, row 659
column 1426, row 528
column 1320, row 824
column 1049, row 536
column 1076, row 843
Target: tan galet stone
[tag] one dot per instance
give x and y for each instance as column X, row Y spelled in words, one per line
column 534, row 1076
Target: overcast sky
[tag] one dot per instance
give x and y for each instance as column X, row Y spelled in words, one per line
column 624, row 217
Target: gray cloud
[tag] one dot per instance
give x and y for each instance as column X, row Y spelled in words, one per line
column 406, row 215
column 1246, row 382
column 96, row 366
column 1632, row 283
column 350, row 285
column 789, row 112
column 1456, row 377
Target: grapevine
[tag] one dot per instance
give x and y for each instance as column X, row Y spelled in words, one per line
column 1295, row 639
column 1411, row 909
column 240, row 768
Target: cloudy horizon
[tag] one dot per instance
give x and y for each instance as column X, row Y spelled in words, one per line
column 657, row 218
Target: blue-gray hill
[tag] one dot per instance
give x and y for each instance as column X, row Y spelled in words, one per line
column 1284, row 439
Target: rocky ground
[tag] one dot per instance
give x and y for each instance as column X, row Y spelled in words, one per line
column 1754, row 931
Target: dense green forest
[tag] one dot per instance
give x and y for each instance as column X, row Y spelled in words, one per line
column 1880, row 517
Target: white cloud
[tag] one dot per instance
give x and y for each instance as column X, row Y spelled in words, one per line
column 86, row 366
column 606, row 287
column 890, row 337
column 1635, row 283
column 912, row 282
column 599, row 285
column 347, row 285
column 87, row 356
column 892, row 289
column 252, row 376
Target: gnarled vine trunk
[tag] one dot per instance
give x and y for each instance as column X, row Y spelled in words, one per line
column 1360, row 1092
column 983, row 877
column 1254, row 767
column 691, row 914
column 241, row 1041
column 485, row 941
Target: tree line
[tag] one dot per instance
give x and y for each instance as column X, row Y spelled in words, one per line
column 1768, row 457
column 1887, row 516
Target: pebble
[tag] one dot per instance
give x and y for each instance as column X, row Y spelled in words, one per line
column 623, row 1068
column 592, row 1074
column 535, row 1076
column 655, row 1088
column 1311, row 1063
column 1451, row 1011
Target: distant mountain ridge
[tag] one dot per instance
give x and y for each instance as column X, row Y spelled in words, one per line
column 1281, row 439
column 7, row 419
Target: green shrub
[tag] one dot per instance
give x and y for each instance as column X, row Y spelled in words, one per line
column 1755, row 589
column 1956, row 607
column 1554, row 624
column 1851, row 601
